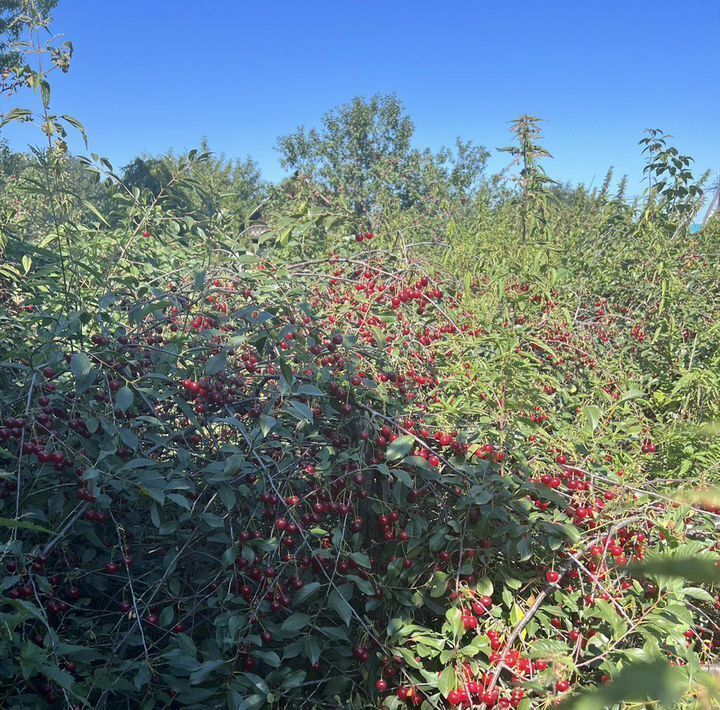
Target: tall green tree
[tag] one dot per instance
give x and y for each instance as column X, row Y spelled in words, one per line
column 363, row 153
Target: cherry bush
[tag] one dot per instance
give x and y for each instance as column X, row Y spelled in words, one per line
column 349, row 485
column 460, row 456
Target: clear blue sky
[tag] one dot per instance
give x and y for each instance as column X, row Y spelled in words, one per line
column 153, row 74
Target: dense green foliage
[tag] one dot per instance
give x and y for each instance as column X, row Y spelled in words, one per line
column 217, row 186
column 363, row 158
column 468, row 458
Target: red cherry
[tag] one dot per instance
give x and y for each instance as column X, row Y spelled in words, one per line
column 552, row 577
column 469, row 622
column 454, row 697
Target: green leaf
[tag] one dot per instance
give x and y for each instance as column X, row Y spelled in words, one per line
column 182, row 501
column 341, row 606
column 299, row 410
column 23, row 525
column 295, row 622
column 75, row 123
column 260, row 685
column 336, row 633
column 632, row 393
column 454, row 617
column 516, row 615
column 399, row 448
column 593, row 414
column 235, row 623
column 362, row 584
column 478, row 644
column 446, row 681
column 269, row 657
column 16, row 114
column 439, row 584
column 45, row 93
column 61, row 677
column 142, row 677
column 205, row 669
column 267, row 423
column 310, row 391
column 311, row 649
column 409, row 657
column 129, row 438
column 80, row 365
column 166, row 616
column 303, row 594
column 698, row 593
column 403, row 476
column 294, row 680
column 124, row 398
column 216, row 363
column 361, row 558
column 547, row 647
